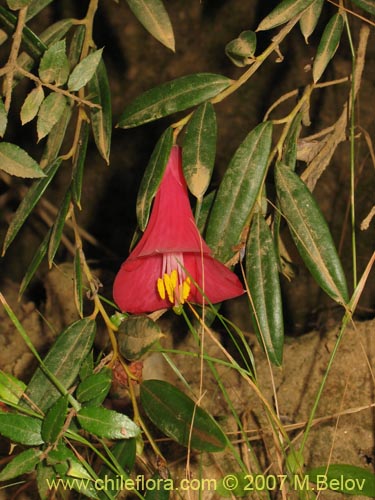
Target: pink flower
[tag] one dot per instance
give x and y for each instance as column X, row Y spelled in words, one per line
column 171, row 256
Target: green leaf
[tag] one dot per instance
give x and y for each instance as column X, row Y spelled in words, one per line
column 65, row 465
column 283, row 12
column 3, row 118
column 152, row 176
column 238, row 192
column 87, row 366
column 29, row 201
column 15, row 161
column 205, row 210
column 153, row 16
column 136, row 335
column 50, row 112
column 290, row 145
column 198, row 153
column 11, row 389
column 170, row 97
column 58, row 228
column 264, row 285
column 21, row 429
column 17, row 4
column 101, row 118
column 63, row 360
column 310, row 233
column 54, row 420
column 107, row 423
column 56, row 137
column 310, row 18
column 345, row 478
column 31, row 42
column 24, row 463
column 35, row 263
column 84, row 71
column 32, row 104
column 35, row 6
column 241, row 50
column 54, row 65
column 328, row 45
column 76, row 45
column 367, row 5
column 178, row 417
column 79, row 163
column 77, row 281
column 95, row 386
column 44, row 476
column 122, row 453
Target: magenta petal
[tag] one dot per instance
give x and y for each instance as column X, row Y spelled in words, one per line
column 171, row 227
column 172, row 234
column 134, row 289
column 217, row 282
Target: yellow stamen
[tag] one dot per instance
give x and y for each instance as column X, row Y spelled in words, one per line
column 161, row 288
column 169, row 286
column 185, row 290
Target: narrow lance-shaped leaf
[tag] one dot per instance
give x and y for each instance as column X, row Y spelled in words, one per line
column 32, row 104
column 28, row 202
column 58, row 227
column 3, row 118
column 310, row 18
column 15, row 161
column 54, row 65
column 79, row 163
column 154, row 17
column 152, row 176
column 101, row 117
column 23, row 463
column 54, row 420
column 328, row 45
column 238, row 192
column 11, row 389
column 35, row 6
column 283, row 12
column 21, row 429
column 173, row 96
column 84, row 71
column 198, row 153
column 56, row 137
column 50, row 113
column 290, row 146
column 175, row 414
column 107, row 423
column 76, row 45
column 123, row 453
column 264, row 285
column 367, row 5
column 310, row 233
column 35, row 263
column 95, row 387
column 63, row 361
column 346, row 478
column 32, row 43
column 77, row 281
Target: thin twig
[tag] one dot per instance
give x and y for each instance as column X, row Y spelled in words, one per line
column 12, row 61
column 50, row 86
